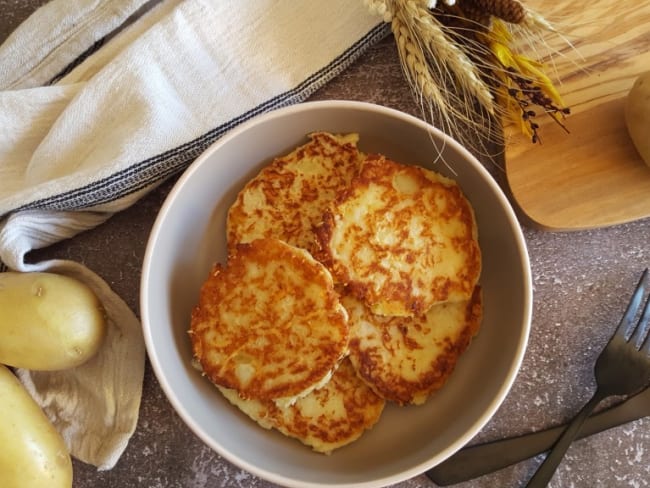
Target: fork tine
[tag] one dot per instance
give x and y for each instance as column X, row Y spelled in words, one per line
column 644, row 323
column 624, row 328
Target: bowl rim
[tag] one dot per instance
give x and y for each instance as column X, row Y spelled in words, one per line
column 287, row 111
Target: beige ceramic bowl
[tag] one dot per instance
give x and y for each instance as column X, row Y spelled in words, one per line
column 188, row 236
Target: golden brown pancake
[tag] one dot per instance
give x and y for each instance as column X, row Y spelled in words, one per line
column 288, row 197
column 269, row 324
column 405, row 359
column 402, row 238
column 327, row 418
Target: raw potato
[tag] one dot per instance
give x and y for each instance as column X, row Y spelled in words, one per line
column 48, row 321
column 637, row 115
column 33, row 454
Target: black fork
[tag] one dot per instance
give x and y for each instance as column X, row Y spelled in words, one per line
column 622, row 368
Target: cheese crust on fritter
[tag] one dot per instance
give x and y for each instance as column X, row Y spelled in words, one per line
column 288, row 197
column 405, row 359
column 326, row 419
column 269, row 324
column 402, row 238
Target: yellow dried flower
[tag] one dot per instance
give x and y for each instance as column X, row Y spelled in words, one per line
column 522, row 84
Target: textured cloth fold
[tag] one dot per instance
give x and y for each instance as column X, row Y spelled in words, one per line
column 45, row 44
column 102, row 100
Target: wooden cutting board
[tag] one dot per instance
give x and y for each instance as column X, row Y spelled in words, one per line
column 593, row 176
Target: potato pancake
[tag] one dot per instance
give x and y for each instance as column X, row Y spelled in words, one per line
column 405, row 359
column 269, row 324
column 402, row 238
column 326, row 419
column 288, row 197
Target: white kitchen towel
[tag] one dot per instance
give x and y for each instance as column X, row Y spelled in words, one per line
column 59, row 34
column 100, row 101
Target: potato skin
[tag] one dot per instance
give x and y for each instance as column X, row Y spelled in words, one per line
column 48, row 321
column 33, row 453
column 637, row 115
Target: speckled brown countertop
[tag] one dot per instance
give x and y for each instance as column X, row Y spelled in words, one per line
column 582, row 281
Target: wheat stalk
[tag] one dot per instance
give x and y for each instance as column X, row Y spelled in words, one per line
column 446, row 83
column 447, row 52
column 415, row 64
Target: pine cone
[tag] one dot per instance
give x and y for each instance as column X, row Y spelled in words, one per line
column 476, row 14
column 511, row 11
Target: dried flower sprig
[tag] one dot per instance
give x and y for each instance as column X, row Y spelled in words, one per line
column 458, row 59
column 523, row 84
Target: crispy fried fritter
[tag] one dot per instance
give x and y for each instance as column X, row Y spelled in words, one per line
column 405, row 359
column 269, row 324
column 288, row 197
column 326, row 419
column 402, row 238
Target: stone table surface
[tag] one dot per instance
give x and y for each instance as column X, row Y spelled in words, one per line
column 582, row 282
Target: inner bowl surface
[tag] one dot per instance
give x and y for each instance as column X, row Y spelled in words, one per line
column 189, row 236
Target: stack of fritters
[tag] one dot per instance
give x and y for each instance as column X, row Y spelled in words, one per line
column 351, row 280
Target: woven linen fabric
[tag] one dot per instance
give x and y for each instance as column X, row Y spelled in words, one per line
column 101, row 101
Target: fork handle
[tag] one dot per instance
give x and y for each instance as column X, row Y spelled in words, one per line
column 546, row 470
column 481, row 459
